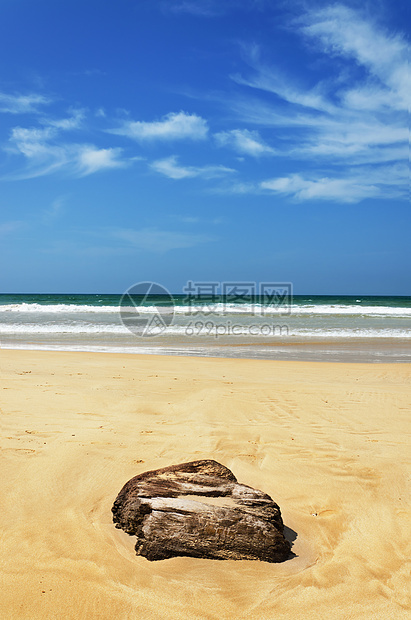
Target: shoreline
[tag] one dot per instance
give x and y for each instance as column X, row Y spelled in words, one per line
column 364, row 351
column 326, row 441
column 311, row 328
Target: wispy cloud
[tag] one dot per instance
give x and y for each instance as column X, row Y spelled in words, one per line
column 354, row 184
column 340, row 190
column 54, row 211
column 271, row 80
column 341, row 138
column 8, row 228
column 211, row 8
column 42, row 155
column 45, row 152
column 90, row 159
column 342, row 120
column 22, row 104
column 173, row 126
column 66, row 124
column 31, row 141
column 343, row 32
column 195, row 220
column 126, row 243
column 244, row 141
column 171, row 169
column 202, row 8
column 159, row 241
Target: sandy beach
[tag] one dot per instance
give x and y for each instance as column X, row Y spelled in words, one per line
column 327, row 441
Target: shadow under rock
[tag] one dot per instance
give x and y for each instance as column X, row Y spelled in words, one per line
column 291, row 536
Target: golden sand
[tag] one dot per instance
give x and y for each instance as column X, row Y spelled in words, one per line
column 327, row 441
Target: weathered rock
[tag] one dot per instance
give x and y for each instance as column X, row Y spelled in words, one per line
column 198, row 509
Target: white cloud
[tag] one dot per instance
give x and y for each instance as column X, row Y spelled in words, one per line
column 32, row 141
column 345, row 32
column 369, row 97
column 42, row 154
column 72, row 122
column 22, row 104
column 340, row 190
column 390, row 90
column 155, row 240
column 40, row 146
column 343, row 120
column 244, row 141
column 238, row 188
column 270, row 80
column 45, row 154
column 91, row 159
column 170, row 168
column 394, row 177
column 344, row 137
column 355, row 184
column 173, row 126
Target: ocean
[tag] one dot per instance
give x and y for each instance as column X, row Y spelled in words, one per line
column 317, row 328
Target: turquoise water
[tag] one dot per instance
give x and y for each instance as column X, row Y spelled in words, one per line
column 99, row 300
column 332, row 328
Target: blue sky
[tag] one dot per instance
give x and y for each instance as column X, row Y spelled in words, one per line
column 204, row 140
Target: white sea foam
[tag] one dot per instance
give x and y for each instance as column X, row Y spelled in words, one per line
column 56, row 328
column 214, row 331
column 352, row 333
column 57, row 308
column 375, row 332
column 219, row 309
column 352, row 310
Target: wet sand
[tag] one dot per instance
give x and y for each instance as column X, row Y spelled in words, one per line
column 327, row 441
